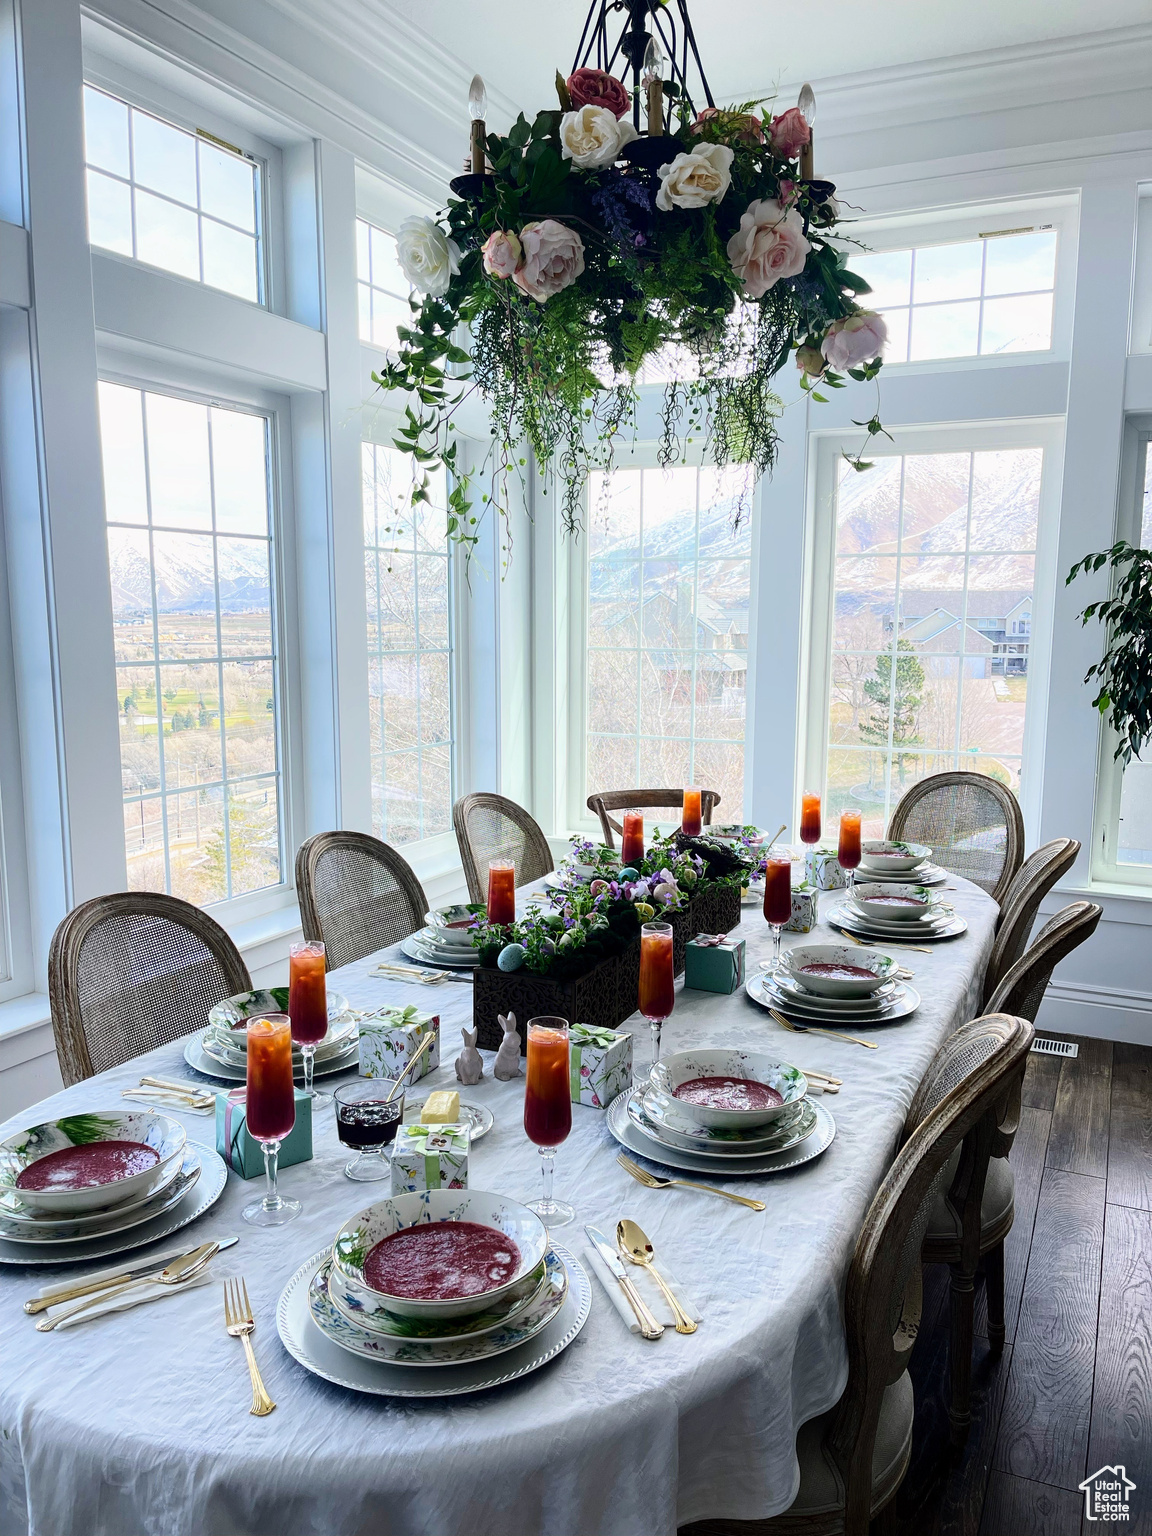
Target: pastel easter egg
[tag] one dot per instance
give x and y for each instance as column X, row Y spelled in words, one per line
column 511, row 957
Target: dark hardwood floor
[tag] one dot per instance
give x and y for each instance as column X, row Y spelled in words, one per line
column 1072, row 1390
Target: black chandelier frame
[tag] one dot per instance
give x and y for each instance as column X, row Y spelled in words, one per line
column 596, row 49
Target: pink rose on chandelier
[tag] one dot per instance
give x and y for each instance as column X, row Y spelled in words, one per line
column 502, row 253
column 597, row 88
column 789, row 133
column 856, row 340
column 745, row 126
column 769, row 245
column 553, row 259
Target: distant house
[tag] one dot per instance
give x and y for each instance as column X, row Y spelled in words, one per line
column 995, row 640
column 668, row 626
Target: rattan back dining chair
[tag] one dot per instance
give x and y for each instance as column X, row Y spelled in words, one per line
column 854, row 1457
column 132, row 971
column 1022, row 987
column 356, row 895
column 1035, row 878
column 494, row 827
column 643, row 799
column 973, row 1215
column 971, row 822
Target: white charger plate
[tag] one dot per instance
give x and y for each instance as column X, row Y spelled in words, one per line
column 759, row 988
column 909, row 933
column 927, row 874
column 630, row 1136
column 200, row 1061
column 200, row 1197
column 650, row 1124
column 310, row 1348
column 788, row 984
column 416, row 947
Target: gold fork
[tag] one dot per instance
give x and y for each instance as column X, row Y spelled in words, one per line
column 810, row 1029
column 240, row 1323
column 642, row 1176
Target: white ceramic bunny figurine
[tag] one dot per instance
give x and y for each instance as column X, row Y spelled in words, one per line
column 469, row 1065
column 508, row 1056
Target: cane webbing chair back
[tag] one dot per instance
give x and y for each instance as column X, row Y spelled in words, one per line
column 357, row 895
column 1036, row 877
column 972, row 824
column 132, row 971
column 493, row 827
column 1023, row 986
column 882, row 1297
column 644, row 799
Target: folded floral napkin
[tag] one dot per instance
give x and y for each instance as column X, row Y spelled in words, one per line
column 650, row 1292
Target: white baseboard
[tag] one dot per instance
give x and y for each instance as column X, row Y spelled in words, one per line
column 1101, row 1013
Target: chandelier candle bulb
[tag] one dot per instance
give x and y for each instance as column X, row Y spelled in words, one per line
column 477, row 106
column 690, row 817
column 807, row 105
column 653, row 80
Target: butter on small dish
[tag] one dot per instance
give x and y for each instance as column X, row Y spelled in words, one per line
column 441, row 1107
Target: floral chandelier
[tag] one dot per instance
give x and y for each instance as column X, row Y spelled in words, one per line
column 626, row 221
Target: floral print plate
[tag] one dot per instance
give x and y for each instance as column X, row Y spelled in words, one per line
column 656, row 1116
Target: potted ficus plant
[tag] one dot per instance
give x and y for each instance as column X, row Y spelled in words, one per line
column 1124, row 672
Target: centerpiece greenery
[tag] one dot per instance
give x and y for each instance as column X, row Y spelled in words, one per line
column 571, row 263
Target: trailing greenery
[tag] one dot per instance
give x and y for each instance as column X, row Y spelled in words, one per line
column 1124, row 672
column 559, row 372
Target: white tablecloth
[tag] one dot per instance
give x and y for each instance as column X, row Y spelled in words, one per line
column 139, row 1422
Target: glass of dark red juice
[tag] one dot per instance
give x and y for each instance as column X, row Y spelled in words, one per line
column 368, row 1124
column 548, row 1107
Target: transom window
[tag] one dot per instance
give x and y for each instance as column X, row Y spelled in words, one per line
column 409, row 588
column 975, row 298
column 935, row 560
column 173, row 199
column 190, row 550
column 381, row 286
column 668, row 597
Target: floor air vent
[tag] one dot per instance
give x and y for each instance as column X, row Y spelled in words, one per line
column 1055, row 1047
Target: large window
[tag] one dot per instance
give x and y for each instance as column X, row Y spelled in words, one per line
column 931, row 622
column 408, row 579
column 669, row 584
column 173, row 199
column 974, row 298
column 1133, row 839
column 382, row 287
column 190, row 548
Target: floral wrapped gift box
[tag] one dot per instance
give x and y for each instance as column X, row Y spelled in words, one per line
column 805, row 913
column 390, row 1038
column 599, row 1064
column 430, row 1157
column 822, row 869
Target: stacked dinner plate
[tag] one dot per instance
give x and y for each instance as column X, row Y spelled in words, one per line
column 658, row 1122
column 339, row 1319
column 98, row 1183
column 222, row 1051
column 900, row 863
column 896, row 911
column 834, row 984
column 441, row 946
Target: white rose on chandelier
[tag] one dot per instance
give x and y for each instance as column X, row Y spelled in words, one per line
column 427, row 257
column 593, row 137
column 553, row 259
column 691, row 180
column 856, row 340
column 770, row 244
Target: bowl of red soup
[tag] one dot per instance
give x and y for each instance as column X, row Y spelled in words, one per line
column 86, row 1161
column 453, row 926
column 881, row 853
column 729, row 1089
column 838, row 970
column 892, row 902
column 437, row 1254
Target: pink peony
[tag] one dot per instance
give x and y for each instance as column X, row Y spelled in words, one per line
column 553, row 259
column 810, row 360
column 745, row 126
column 789, row 133
column 856, row 340
column 596, row 88
column 769, row 245
column 502, row 253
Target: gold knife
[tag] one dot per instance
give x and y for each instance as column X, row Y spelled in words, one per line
column 173, row 1274
column 136, row 1272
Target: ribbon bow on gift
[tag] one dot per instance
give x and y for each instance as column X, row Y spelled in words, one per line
column 591, row 1034
column 434, row 1135
column 710, row 940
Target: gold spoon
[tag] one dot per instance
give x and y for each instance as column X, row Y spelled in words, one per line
column 635, row 1247
column 810, row 1029
column 416, row 1055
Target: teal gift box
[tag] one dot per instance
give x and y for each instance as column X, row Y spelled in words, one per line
column 805, row 910
column 713, row 967
column 599, row 1064
column 243, row 1153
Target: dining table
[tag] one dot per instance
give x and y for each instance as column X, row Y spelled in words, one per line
column 139, row 1422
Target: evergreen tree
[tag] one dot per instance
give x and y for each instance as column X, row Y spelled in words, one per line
column 903, row 697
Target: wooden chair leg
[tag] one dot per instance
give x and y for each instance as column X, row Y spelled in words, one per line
column 962, row 1299
column 994, row 1286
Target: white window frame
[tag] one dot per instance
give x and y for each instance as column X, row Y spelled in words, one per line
column 170, row 379
column 952, row 226
column 1136, row 453
column 118, row 79
column 819, row 582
